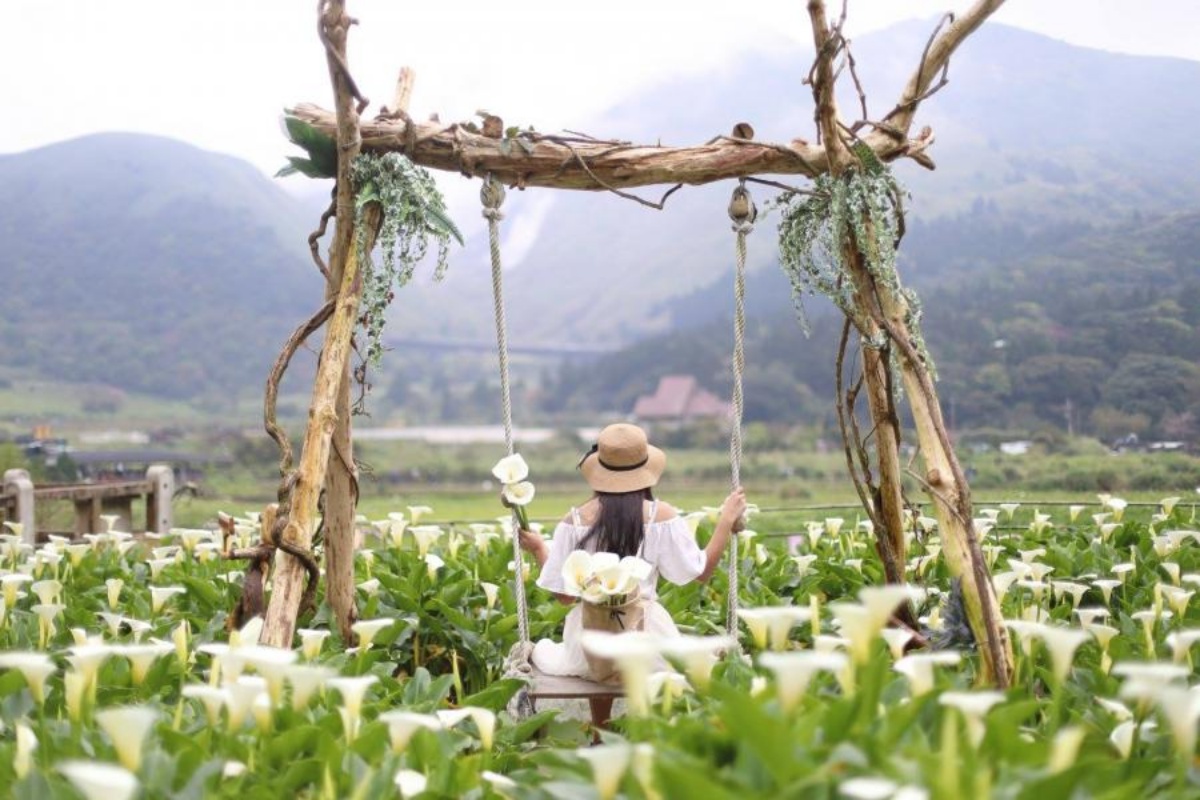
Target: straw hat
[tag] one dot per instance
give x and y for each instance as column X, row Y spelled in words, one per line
column 622, row 460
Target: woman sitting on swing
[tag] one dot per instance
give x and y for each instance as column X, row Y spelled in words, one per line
column 624, row 518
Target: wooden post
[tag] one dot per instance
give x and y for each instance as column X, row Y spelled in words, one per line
column 341, row 482
column 122, row 508
column 160, row 514
column 290, row 579
column 19, row 485
column 87, row 515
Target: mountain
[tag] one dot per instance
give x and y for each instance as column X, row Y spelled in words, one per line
column 1033, row 131
column 148, row 265
column 1097, row 330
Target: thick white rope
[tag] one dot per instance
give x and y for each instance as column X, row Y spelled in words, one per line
column 492, row 197
column 743, row 213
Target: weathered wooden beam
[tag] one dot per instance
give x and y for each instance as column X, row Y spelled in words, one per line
column 580, row 162
column 574, row 162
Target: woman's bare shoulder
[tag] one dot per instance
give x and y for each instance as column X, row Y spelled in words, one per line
column 665, row 512
column 587, row 511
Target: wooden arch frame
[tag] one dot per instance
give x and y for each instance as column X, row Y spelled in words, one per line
column 583, row 163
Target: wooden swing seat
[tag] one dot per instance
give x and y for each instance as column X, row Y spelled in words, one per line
column 566, row 687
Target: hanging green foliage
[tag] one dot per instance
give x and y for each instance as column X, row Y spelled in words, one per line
column 413, row 213
column 860, row 208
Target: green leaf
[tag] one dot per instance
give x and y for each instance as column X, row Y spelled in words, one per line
column 495, row 696
column 444, row 224
column 526, row 728
column 765, row 736
column 302, row 165
column 690, row 778
column 287, row 746
column 206, row 591
column 321, row 149
column 367, row 193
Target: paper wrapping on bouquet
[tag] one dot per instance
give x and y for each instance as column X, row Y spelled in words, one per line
column 629, row 616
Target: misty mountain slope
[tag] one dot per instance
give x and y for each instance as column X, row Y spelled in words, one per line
column 149, row 265
column 1036, row 132
column 1102, row 324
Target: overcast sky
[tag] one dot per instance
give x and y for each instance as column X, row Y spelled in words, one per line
column 217, row 72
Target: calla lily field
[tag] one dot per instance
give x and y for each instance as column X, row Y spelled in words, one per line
column 119, row 678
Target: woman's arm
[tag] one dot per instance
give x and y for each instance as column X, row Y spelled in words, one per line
column 728, row 523
column 535, row 544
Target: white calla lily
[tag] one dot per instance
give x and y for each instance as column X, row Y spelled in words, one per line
column 867, row 788
column 142, row 657
column 159, row 595
column 353, row 691
column 410, row 783
column 771, row 626
column 211, row 697
column 490, row 593
column 609, row 763
column 794, row 671
column 511, row 469
column 1180, row 708
column 34, row 667
column 305, row 680
column 27, row 742
column 311, row 641
column 367, row 629
column 1064, row 750
column 519, row 494
column 403, row 725
column 128, row 727
column 97, row 781
column 696, row 654
column 973, row 706
column 1062, row 644
column 634, row 655
column 425, row 536
column 114, row 587
column 918, row 669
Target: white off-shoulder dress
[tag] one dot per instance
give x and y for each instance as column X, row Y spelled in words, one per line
column 671, row 550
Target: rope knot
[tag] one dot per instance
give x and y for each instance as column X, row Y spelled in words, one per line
column 492, row 214
column 491, row 194
column 742, row 228
column 741, row 207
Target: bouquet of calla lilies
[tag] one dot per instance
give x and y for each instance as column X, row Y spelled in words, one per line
column 517, row 492
column 603, row 579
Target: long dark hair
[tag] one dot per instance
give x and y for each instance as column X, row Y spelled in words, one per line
column 618, row 527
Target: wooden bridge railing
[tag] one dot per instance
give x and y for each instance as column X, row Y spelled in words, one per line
column 91, row 500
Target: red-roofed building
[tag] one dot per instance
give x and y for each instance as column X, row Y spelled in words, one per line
column 678, row 399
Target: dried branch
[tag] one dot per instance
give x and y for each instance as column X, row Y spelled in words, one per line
column 858, row 87
column 314, row 238
column 298, row 337
column 628, row 196
column 946, row 38
column 827, row 44
column 778, row 185
column 844, row 400
column 331, row 15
